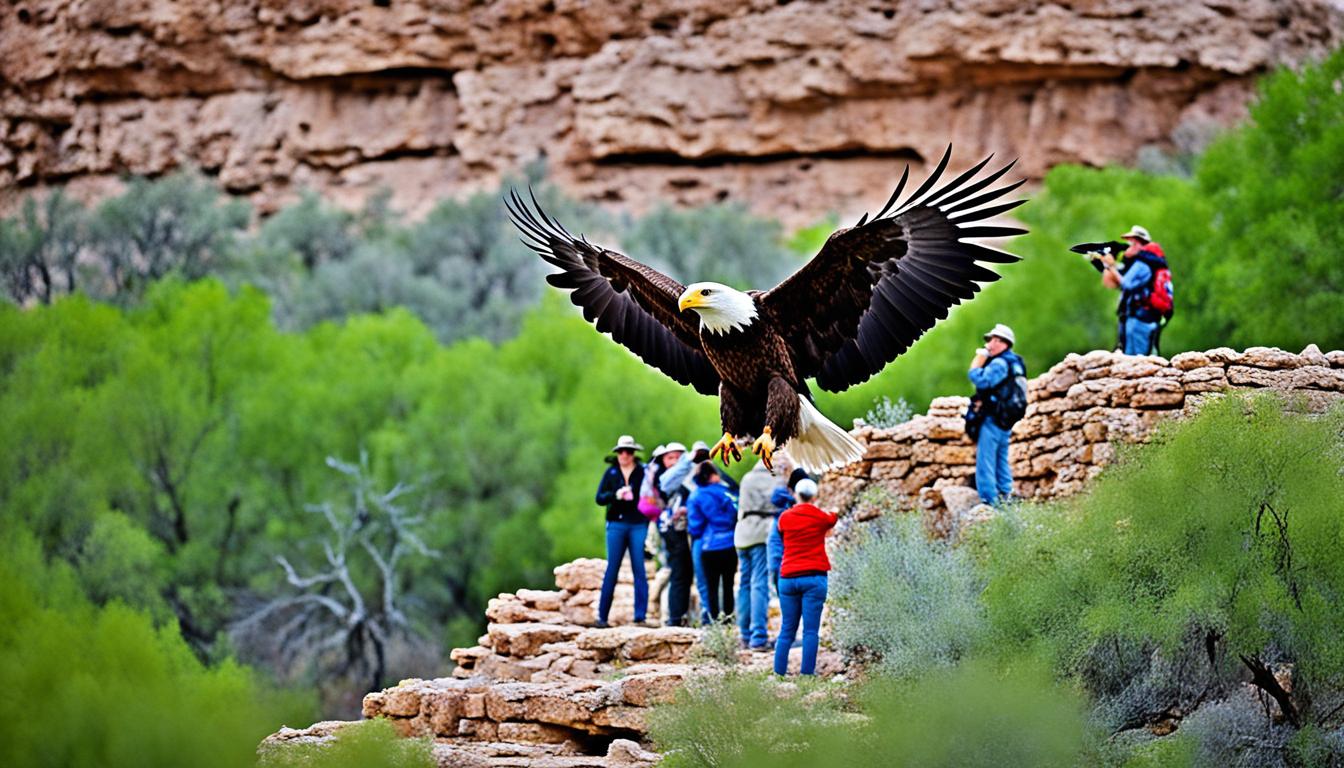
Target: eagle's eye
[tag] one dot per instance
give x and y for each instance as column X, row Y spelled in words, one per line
column 704, row 291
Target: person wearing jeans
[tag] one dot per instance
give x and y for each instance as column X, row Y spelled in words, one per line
column 802, row 577
column 754, row 516
column 626, row 528
column 993, row 474
column 711, row 519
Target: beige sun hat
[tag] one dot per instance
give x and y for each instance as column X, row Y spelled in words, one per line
column 1003, row 332
column 1139, row 232
column 674, row 446
column 626, row 443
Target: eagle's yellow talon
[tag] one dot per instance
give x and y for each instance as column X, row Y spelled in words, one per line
column 765, row 448
column 721, row 449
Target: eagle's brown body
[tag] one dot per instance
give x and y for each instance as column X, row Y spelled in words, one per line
column 862, row 301
column 759, row 385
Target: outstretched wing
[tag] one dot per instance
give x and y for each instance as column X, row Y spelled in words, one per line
column 634, row 303
column 875, row 288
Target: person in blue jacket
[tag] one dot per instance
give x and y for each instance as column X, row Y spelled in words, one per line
column 712, row 518
column 995, row 368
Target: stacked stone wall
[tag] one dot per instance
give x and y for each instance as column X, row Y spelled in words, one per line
column 1079, row 412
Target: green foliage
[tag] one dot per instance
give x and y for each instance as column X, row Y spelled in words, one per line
column 103, row 687
column 1219, row 543
column 719, row 243
column 170, row 451
column 40, row 247
column 370, row 744
column 181, row 224
column 887, row 413
column 740, row 718
column 719, row 642
column 902, row 602
column 1269, row 271
column 971, row 715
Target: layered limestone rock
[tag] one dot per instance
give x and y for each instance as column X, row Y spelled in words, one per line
column 797, row 107
column 1078, row 412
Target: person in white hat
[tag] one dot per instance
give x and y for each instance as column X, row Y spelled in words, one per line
column 999, row 376
column 672, row 528
column 626, row 527
column 1144, row 282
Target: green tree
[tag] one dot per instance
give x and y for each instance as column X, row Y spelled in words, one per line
column 104, row 687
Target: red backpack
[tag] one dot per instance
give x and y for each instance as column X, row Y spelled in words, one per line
column 1160, row 298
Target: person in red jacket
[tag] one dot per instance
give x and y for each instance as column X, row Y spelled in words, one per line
column 802, row 576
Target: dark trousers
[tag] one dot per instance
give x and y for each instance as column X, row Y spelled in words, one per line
column 678, row 546
column 720, row 568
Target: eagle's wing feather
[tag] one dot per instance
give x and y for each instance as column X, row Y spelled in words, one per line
column 877, row 287
column 634, row 303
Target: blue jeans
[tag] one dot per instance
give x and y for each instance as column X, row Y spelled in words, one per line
column 753, row 595
column 775, row 547
column 701, row 581
column 1138, row 336
column 993, row 475
column 799, row 599
column 620, row 538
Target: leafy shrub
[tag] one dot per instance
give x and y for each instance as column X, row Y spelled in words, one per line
column 902, row 601
column 369, row 744
column 722, row 243
column 1219, row 545
column 886, row 414
column 718, row 642
column 742, row 719
column 968, row 716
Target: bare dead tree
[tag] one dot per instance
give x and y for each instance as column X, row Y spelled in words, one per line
column 333, row 623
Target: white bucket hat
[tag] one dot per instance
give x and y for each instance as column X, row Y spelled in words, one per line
column 674, row 446
column 1003, row 332
column 659, row 451
column 626, row 443
column 1139, row 232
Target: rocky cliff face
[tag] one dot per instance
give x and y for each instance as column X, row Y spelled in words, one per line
column 798, row 107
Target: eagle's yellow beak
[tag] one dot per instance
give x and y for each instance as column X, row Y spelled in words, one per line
column 689, row 301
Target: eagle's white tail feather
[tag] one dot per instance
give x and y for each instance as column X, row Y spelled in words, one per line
column 821, row 445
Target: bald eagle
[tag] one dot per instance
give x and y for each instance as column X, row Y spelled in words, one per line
column 859, row 303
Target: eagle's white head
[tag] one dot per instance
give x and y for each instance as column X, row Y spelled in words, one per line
column 721, row 308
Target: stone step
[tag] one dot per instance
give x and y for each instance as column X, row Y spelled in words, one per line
column 489, row 710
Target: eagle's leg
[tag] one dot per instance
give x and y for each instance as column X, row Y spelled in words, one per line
column 765, row 448
column 781, row 419
column 726, row 447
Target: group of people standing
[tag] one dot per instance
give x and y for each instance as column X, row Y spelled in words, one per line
column 764, row 532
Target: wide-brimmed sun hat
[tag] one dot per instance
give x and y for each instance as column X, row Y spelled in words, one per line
column 673, row 447
column 1003, row 332
column 626, row 443
column 1139, row 232
column 659, row 451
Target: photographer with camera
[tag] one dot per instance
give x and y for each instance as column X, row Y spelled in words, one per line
column 1144, row 282
column 1000, row 379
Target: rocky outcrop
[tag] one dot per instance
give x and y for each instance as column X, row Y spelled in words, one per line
column 797, row 107
column 544, row 688
column 1078, row 413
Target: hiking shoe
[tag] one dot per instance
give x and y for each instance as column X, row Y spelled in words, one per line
column 600, row 624
column 763, row 648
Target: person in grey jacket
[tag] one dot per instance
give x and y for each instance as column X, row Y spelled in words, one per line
column 754, row 516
